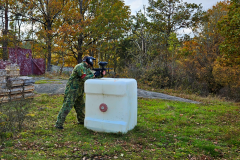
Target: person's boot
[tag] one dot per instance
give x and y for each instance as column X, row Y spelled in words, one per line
column 81, row 123
column 61, row 127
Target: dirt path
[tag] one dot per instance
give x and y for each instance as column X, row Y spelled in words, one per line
column 58, row 87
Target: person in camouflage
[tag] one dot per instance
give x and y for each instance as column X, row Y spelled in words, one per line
column 74, row 92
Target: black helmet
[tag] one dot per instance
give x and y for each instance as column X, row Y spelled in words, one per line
column 89, row 60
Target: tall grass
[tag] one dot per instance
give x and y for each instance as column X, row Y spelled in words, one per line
column 12, row 117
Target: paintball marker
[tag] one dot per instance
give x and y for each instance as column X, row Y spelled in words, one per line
column 99, row 71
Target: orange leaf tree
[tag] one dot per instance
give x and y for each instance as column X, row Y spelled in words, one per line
column 227, row 67
column 229, row 28
column 167, row 17
column 198, row 55
column 93, row 27
column 45, row 13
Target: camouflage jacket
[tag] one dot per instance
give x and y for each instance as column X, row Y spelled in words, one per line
column 79, row 75
column 81, row 72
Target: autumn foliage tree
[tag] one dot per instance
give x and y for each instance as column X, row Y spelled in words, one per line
column 198, row 56
column 89, row 27
column 229, row 28
column 4, row 39
column 45, row 13
column 227, row 67
column 167, row 17
column 11, row 26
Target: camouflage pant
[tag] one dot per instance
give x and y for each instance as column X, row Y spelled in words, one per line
column 73, row 97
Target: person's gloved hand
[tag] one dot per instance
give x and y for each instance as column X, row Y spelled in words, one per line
column 97, row 74
column 104, row 73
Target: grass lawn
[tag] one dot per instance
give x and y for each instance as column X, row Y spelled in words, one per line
column 47, row 81
column 165, row 130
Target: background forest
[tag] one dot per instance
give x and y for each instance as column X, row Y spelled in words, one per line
column 146, row 46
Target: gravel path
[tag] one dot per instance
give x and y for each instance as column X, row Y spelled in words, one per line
column 149, row 94
column 58, row 87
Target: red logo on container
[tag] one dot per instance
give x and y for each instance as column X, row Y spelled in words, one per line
column 103, row 107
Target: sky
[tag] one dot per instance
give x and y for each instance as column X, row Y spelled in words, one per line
column 136, row 5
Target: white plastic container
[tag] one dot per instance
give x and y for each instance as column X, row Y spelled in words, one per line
column 111, row 104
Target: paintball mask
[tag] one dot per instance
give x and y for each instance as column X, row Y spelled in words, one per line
column 89, row 60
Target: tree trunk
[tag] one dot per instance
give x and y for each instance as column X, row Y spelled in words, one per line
column 61, row 69
column 80, row 38
column 49, row 58
column 79, row 49
column 49, row 46
column 5, row 32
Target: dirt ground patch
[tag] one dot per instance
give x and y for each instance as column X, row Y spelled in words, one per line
column 58, row 87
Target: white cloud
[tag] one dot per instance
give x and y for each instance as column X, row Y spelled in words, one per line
column 136, row 5
column 184, row 31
